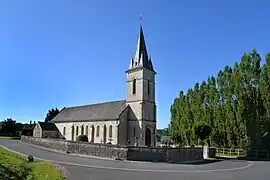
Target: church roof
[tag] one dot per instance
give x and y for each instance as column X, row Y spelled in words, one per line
column 100, row 111
column 141, row 58
column 47, row 126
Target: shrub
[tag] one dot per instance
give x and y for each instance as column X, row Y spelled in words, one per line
column 83, row 138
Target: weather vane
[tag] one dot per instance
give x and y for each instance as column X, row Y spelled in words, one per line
column 141, row 18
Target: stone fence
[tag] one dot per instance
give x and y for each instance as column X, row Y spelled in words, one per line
column 120, row 152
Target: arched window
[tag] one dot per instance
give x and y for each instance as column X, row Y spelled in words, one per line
column 110, row 131
column 148, row 86
column 104, row 134
column 72, row 133
column 64, row 131
column 98, row 131
column 93, row 134
column 86, row 130
column 134, row 86
column 82, row 130
column 134, row 132
column 77, row 130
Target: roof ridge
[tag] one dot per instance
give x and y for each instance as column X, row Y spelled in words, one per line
column 105, row 102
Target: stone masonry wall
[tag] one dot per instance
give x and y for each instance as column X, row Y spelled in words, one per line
column 184, row 154
column 75, row 147
column 120, row 152
column 147, row 154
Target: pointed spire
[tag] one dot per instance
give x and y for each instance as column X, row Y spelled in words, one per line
column 141, row 50
column 141, row 58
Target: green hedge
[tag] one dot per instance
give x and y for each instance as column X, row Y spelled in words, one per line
column 83, row 138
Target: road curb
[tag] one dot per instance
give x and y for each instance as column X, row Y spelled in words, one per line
column 250, row 163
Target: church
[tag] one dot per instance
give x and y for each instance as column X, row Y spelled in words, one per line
column 123, row 122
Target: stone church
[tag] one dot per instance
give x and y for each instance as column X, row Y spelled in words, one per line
column 123, row 122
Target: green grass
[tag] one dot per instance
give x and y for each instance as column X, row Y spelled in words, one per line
column 16, row 167
column 6, row 137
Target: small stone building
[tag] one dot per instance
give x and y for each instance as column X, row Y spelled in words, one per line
column 27, row 130
column 131, row 121
column 46, row 130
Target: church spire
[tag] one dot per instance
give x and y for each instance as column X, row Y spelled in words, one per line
column 141, row 58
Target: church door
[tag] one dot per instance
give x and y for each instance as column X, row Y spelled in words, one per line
column 147, row 137
column 104, row 134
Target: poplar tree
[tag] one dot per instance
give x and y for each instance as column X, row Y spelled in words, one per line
column 235, row 104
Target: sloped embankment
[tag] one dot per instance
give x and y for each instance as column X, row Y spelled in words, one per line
column 16, row 167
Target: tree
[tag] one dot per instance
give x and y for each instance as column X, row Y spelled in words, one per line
column 163, row 132
column 235, row 104
column 202, row 131
column 51, row 114
column 9, row 127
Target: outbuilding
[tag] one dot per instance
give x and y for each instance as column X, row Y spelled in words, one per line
column 46, row 130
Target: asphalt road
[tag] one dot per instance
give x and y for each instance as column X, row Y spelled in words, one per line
column 87, row 168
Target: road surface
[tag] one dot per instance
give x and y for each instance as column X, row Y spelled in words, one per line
column 87, row 168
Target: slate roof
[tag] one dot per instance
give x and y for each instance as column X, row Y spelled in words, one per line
column 48, row 126
column 141, row 58
column 100, row 111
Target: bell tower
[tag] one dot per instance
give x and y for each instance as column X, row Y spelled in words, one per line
column 140, row 85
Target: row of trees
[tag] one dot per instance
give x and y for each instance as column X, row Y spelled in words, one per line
column 10, row 127
column 235, row 105
column 163, row 132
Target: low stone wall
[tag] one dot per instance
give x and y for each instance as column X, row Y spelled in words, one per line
column 147, row 154
column 175, row 155
column 184, row 154
column 121, row 152
column 75, row 147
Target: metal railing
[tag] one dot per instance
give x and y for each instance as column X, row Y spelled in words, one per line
column 256, row 154
column 230, row 152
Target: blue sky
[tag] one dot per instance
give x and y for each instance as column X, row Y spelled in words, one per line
column 56, row 53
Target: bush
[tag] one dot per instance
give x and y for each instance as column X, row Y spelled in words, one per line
column 83, row 138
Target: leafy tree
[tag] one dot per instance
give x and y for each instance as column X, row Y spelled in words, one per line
column 163, row 132
column 9, row 127
column 51, row 114
column 177, row 139
column 235, row 104
column 201, row 130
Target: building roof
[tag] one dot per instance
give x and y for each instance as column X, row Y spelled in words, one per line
column 100, row 111
column 48, row 126
column 29, row 127
column 141, row 58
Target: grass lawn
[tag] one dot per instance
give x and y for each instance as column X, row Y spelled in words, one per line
column 16, row 167
column 6, row 137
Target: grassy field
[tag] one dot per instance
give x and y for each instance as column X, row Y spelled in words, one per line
column 5, row 137
column 16, row 167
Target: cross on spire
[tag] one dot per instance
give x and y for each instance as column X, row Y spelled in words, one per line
column 141, row 19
